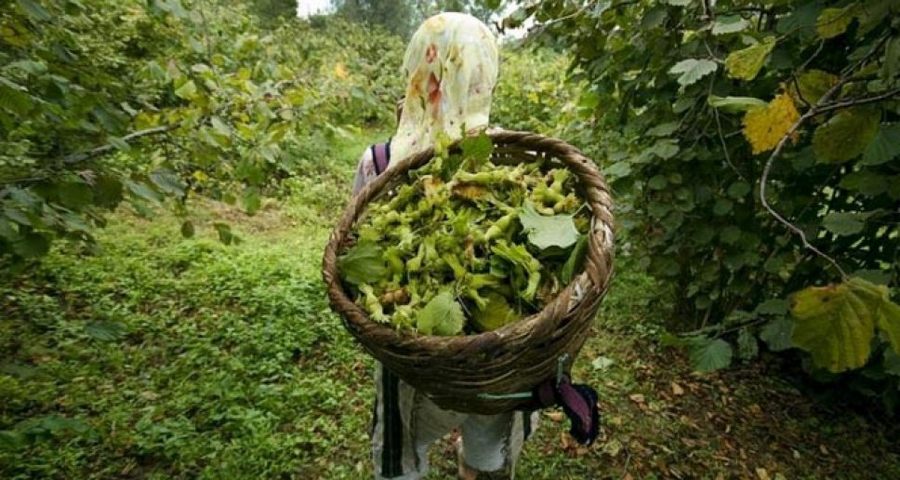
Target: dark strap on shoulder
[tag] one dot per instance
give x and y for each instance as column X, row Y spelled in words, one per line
column 381, row 154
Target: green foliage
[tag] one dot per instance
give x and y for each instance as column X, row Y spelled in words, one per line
column 548, row 231
column 667, row 118
column 710, row 354
column 531, row 94
column 363, row 264
column 442, row 315
column 104, row 102
column 462, row 230
column 837, row 323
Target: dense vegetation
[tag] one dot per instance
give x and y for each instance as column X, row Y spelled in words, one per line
column 104, row 101
column 170, row 169
column 758, row 144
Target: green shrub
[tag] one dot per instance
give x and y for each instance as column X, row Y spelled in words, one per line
column 691, row 100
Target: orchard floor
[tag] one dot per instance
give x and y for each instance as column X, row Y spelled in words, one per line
column 164, row 357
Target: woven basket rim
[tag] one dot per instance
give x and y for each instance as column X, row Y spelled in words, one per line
column 586, row 282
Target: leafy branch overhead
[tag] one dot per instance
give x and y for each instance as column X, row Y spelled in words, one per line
column 158, row 102
column 779, row 127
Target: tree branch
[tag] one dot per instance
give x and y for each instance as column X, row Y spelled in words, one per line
column 821, row 106
column 857, row 101
column 82, row 156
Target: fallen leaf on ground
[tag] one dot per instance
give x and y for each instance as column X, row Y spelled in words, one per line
column 555, row 416
column 676, row 389
column 637, row 398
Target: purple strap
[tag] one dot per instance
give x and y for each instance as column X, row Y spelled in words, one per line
column 381, row 154
column 579, row 402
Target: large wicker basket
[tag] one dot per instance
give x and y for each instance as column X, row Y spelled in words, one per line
column 483, row 373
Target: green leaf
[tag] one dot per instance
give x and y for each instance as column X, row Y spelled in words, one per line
column 35, row 10
column 866, row 182
column 665, row 148
column 748, row 347
column 363, row 263
column 891, row 363
column 441, row 316
column 32, row 245
column 575, row 261
column 119, row 143
column 617, row 170
column 871, row 13
column 477, row 148
column 773, row 306
column 722, row 206
column 545, row 231
column 495, row 314
column 75, row 195
column 226, row 236
column 836, row 323
column 707, row 354
column 691, row 70
column 663, row 129
column 734, row 104
column 745, row 64
column 726, row 24
column 834, row 21
column 777, row 334
column 168, row 182
column 251, row 200
column 107, row 191
column 187, row 229
column 142, row 190
column 106, row 331
column 890, row 67
column 14, row 97
column 730, row 234
column 845, row 223
column 814, row 84
column 30, row 66
column 657, row 182
column 846, row 135
column 739, row 189
column 187, row 91
column 653, row 18
column 884, row 147
column 878, row 277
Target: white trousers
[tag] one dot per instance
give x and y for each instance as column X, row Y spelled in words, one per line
column 406, row 423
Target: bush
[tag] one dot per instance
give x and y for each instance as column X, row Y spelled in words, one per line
column 697, row 106
column 103, row 102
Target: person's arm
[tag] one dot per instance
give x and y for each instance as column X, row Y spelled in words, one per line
column 365, row 171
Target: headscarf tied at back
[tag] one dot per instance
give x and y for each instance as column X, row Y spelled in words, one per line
column 451, row 65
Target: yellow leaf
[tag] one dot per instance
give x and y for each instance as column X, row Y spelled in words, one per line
column 765, row 126
column 745, row 64
column 340, row 71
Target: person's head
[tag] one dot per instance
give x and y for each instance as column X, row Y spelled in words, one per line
column 451, row 65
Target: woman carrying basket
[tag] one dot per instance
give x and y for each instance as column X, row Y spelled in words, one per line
column 451, row 65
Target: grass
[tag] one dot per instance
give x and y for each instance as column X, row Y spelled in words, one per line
column 164, row 357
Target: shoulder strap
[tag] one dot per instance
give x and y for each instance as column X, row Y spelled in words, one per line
column 381, row 154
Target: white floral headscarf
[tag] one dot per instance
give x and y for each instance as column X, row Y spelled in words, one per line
column 451, row 66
